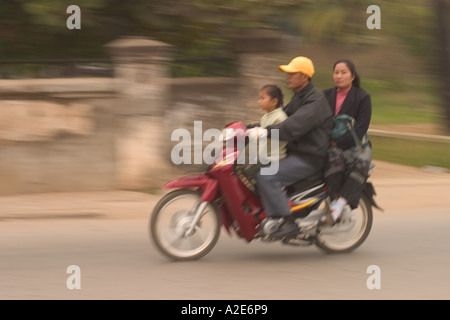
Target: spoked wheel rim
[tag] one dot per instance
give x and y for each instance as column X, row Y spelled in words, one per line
column 350, row 233
column 173, row 218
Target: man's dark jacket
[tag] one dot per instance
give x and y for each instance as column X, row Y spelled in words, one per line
column 308, row 126
column 358, row 105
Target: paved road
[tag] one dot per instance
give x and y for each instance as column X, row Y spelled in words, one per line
column 105, row 235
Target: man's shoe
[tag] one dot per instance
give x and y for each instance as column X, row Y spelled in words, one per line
column 287, row 229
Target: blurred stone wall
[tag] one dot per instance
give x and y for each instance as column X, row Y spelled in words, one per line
column 56, row 135
column 61, row 135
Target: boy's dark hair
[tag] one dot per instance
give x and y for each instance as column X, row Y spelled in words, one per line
column 275, row 93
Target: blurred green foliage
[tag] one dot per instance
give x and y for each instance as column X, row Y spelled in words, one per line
column 36, row 29
column 413, row 152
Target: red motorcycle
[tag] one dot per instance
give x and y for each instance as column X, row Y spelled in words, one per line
column 185, row 224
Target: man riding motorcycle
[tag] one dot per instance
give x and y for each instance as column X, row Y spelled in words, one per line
column 289, row 202
column 307, row 131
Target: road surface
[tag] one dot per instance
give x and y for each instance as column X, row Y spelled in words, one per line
column 104, row 234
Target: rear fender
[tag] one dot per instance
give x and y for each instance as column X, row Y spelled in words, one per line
column 208, row 186
column 369, row 191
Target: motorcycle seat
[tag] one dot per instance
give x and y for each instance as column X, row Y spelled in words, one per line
column 309, row 182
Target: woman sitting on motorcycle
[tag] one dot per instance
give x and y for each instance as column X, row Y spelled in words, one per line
column 350, row 154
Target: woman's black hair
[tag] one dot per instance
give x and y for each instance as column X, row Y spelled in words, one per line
column 275, row 93
column 351, row 66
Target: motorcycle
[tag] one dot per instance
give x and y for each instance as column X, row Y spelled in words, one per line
column 185, row 223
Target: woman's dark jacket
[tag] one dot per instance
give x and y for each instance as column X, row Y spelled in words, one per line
column 358, row 105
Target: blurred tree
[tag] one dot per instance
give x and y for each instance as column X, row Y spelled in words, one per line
column 442, row 9
column 325, row 21
column 198, row 28
column 36, row 29
column 344, row 22
column 404, row 23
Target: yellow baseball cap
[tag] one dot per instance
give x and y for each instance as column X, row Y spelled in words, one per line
column 299, row 64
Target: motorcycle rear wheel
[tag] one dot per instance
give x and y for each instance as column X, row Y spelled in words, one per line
column 172, row 217
column 331, row 240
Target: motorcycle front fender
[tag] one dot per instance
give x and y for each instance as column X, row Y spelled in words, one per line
column 208, row 186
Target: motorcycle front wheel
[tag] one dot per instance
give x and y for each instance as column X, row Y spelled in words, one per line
column 351, row 232
column 171, row 219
